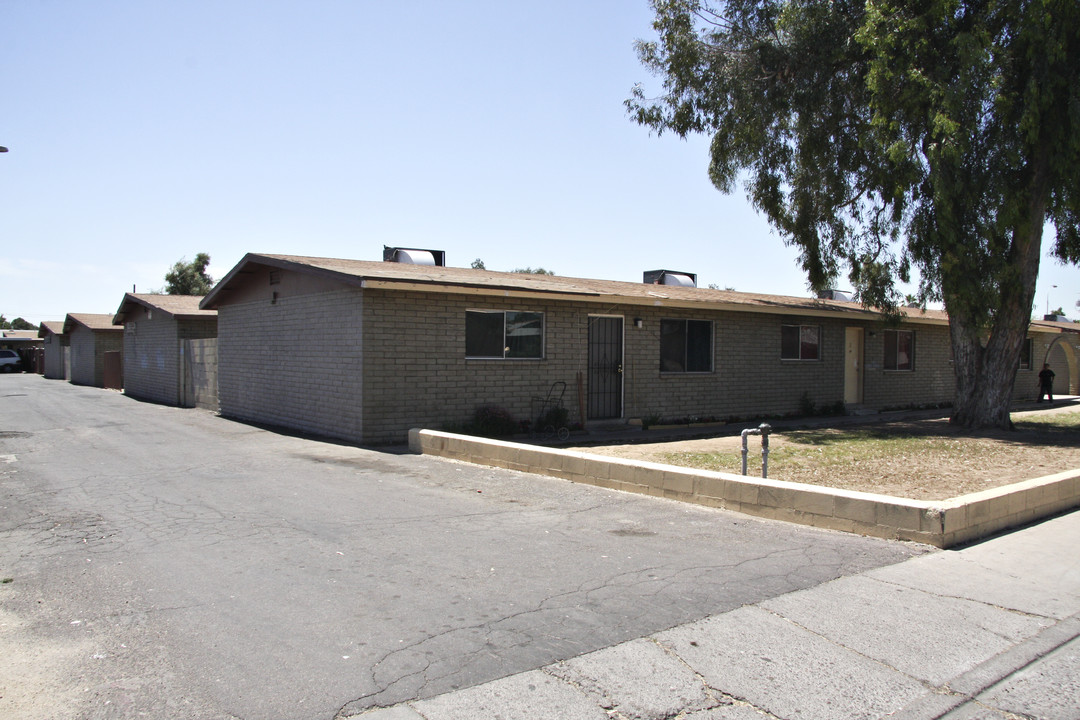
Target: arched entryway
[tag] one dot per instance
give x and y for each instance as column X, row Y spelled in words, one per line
column 1061, row 356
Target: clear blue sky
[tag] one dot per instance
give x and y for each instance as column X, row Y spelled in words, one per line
column 143, row 131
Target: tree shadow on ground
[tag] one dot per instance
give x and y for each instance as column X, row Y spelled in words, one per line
column 1061, row 431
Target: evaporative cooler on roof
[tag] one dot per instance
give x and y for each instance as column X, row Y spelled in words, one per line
column 414, row 256
column 670, row 277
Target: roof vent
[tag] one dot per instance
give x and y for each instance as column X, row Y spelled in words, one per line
column 1055, row 318
column 414, row 256
column 834, row 295
column 670, row 277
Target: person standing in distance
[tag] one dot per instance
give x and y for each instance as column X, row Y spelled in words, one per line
column 1046, row 384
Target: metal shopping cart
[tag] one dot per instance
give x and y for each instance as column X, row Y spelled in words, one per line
column 551, row 416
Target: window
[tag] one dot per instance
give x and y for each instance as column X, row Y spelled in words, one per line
column 685, row 346
column 1025, row 354
column 800, row 342
column 504, row 334
column 899, row 350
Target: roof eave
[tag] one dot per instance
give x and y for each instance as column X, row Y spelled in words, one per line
column 656, row 300
column 210, row 302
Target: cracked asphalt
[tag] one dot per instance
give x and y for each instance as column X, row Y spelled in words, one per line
column 166, row 562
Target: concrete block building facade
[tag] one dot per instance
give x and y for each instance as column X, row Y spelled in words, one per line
column 90, row 336
column 364, row 351
column 55, row 342
column 156, row 329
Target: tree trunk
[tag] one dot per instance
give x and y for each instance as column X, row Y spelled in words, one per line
column 985, row 375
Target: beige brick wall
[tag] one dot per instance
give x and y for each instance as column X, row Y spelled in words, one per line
column 298, row 361
column 416, row 373
column 295, row 363
column 931, row 380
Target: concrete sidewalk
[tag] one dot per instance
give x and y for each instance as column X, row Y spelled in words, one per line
column 988, row 632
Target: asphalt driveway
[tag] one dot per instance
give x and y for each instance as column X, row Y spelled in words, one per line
column 170, row 563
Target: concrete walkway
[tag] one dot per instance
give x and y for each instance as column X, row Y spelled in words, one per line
column 988, row 632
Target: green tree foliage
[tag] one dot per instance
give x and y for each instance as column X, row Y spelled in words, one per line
column 189, row 278
column 879, row 136
column 16, row 324
column 21, row 324
column 478, row 264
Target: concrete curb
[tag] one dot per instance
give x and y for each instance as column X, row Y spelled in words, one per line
column 939, row 523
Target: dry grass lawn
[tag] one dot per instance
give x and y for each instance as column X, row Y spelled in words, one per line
column 916, row 459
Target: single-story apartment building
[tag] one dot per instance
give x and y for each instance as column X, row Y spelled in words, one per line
column 164, row 360
column 91, row 336
column 56, row 346
column 364, row 351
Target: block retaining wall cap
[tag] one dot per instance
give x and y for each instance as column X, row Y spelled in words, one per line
column 943, row 523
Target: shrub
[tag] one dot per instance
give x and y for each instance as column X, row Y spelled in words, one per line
column 493, row 421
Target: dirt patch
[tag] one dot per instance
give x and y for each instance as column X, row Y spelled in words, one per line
column 916, row 459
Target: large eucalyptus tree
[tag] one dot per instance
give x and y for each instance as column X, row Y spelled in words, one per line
column 879, row 136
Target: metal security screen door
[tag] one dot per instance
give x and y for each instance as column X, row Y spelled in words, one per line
column 605, row 367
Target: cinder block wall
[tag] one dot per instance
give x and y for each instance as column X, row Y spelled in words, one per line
column 152, row 353
column 368, row 365
column 294, row 362
column 88, row 350
column 82, row 356
column 54, row 356
column 1026, row 386
column 931, row 381
column 201, row 381
column 748, row 380
column 151, row 363
column 416, row 373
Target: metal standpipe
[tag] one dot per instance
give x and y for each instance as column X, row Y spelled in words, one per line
column 763, row 430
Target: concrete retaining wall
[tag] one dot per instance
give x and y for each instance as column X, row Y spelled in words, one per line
column 939, row 523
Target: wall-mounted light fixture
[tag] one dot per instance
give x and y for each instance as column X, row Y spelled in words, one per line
column 638, row 323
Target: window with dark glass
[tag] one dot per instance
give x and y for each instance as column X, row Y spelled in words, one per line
column 899, row 350
column 685, row 345
column 800, row 342
column 1025, row 354
column 504, row 334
